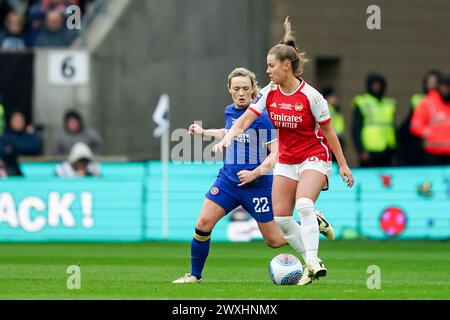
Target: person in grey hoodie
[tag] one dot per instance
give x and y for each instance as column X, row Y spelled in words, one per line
column 75, row 131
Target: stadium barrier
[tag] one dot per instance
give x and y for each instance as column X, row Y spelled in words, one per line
column 125, row 205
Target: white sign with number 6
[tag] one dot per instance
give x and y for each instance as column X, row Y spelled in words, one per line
column 68, row 67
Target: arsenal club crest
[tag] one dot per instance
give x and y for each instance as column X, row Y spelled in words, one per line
column 298, row 107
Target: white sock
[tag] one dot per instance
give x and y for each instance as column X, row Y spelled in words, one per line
column 292, row 234
column 309, row 227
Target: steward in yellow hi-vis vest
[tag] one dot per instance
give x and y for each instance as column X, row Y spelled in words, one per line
column 410, row 150
column 374, row 124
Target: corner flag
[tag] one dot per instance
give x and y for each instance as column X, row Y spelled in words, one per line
column 160, row 116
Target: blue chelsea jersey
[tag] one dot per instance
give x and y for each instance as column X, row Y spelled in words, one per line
column 249, row 149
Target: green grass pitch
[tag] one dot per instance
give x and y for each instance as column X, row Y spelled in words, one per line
column 409, row 270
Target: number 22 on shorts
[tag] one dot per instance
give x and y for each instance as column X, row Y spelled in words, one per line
column 261, row 204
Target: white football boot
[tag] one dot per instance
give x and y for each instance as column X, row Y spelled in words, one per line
column 316, row 268
column 305, row 279
column 188, row 278
column 325, row 227
column 313, row 270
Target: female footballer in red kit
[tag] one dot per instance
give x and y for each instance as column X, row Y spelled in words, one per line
column 306, row 140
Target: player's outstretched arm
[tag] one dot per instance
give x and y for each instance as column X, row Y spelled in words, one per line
column 246, row 176
column 196, row 129
column 243, row 123
column 344, row 170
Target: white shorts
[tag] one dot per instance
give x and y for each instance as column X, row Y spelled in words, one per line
column 293, row 171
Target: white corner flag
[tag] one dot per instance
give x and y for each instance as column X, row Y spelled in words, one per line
column 161, row 116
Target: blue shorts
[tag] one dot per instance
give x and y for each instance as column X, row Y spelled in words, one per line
column 256, row 200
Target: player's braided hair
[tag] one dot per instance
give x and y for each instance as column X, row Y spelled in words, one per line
column 287, row 50
column 243, row 72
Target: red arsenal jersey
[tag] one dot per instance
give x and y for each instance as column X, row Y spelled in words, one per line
column 297, row 117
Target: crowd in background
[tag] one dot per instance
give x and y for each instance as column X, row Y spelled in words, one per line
column 42, row 23
column 77, row 143
column 36, row 23
column 422, row 139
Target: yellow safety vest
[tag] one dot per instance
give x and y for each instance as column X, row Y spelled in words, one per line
column 338, row 120
column 378, row 132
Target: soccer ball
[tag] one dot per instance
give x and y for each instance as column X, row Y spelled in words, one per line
column 285, row 269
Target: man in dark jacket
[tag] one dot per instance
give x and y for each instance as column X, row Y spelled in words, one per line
column 55, row 33
column 18, row 140
column 12, row 38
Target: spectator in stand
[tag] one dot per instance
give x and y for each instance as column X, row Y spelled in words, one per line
column 79, row 164
column 60, row 5
column 374, row 124
column 38, row 11
column 12, row 37
column 410, row 151
column 18, row 140
column 75, row 131
column 431, row 122
column 55, row 33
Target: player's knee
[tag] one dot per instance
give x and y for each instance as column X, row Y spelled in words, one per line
column 305, row 207
column 280, row 208
column 204, row 224
column 271, row 243
column 275, row 242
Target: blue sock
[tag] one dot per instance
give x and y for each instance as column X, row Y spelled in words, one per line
column 199, row 252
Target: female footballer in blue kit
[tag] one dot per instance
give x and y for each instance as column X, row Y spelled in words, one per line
column 245, row 178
